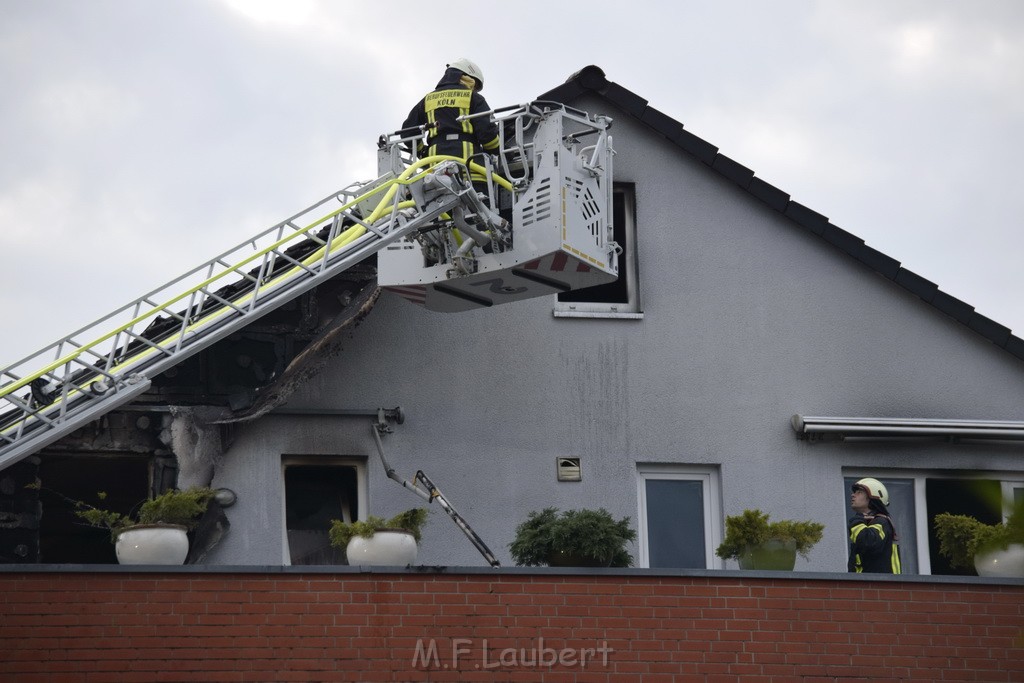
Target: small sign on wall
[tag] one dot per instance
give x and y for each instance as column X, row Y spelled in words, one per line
column 569, row 469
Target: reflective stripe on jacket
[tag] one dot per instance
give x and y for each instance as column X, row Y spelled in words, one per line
column 873, row 546
column 442, row 108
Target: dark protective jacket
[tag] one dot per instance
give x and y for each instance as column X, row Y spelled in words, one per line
column 873, row 547
column 449, row 100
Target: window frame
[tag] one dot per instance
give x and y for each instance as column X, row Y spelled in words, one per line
column 710, row 478
column 1009, row 481
column 1010, row 487
column 359, row 463
column 631, row 309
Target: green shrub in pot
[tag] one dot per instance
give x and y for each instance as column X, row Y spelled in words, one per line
column 573, row 538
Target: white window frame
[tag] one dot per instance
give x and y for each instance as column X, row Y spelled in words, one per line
column 631, row 310
column 1010, row 486
column 710, row 480
column 359, row 463
column 1008, row 480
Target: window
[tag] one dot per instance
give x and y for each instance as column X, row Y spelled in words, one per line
column 903, row 510
column 124, row 481
column 621, row 298
column 915, row 498
column 316, row 491
column 667, row 494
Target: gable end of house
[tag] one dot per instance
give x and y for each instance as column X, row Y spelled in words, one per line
column 592, row 80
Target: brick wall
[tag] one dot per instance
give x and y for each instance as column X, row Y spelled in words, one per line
column 503, row 625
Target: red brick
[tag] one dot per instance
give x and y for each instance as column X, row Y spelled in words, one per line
column 364, row 627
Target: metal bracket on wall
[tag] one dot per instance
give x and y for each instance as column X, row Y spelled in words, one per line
column 431, row 492
column 383, row 415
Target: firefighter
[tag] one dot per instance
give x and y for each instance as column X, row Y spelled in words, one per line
column 457, row 94
column 874, row 548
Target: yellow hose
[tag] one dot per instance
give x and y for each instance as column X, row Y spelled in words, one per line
column 345, row 238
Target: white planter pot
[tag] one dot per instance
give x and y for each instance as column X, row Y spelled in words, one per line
column 1001, row 563
column 387, row 548
column 152, row 544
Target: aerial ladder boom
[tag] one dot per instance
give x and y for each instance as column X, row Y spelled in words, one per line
column 440, row 242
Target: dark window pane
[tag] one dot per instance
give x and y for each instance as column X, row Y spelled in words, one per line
column 315, row 495
column 903, row 511
column 675, row 523
column 63, row 536
column 979, row 498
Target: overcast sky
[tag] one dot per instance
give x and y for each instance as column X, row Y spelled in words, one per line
column 139, row 138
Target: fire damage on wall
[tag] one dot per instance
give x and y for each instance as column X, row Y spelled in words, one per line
column 178, row 432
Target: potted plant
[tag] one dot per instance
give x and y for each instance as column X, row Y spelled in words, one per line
column 376, row 541
column 157, row 534
column 992, row 549
column 573, row 538
column 758, row 543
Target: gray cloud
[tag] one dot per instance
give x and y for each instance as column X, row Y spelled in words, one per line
column 140, row 139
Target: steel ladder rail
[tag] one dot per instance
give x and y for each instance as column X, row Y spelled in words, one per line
column 120, row 380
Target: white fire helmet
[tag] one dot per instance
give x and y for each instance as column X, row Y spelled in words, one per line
column 874, row 488
column 470, row 69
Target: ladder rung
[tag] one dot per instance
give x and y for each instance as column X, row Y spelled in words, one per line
column 221, row 300
column 294, row 262
column 148, row 342
column 98, row 371
column 26, row 408
column 215, row 299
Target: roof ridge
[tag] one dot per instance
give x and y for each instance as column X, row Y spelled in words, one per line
column 592, row 79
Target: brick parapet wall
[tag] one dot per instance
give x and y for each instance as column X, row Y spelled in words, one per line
column 503, row 626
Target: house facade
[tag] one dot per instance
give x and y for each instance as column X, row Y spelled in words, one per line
column 679, row 395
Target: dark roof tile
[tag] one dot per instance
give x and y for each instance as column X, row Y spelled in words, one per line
column 876, row 260
column 733, row 171
column 915, row 284
column 662, row 123
column 628, row 101
column 698, row 147
column 851, row 244
column 588, row 78
column 812, row 220
column 769, row 194
column 1015, row 345
column 591, row 77
column 989, row 328
column 953, row 307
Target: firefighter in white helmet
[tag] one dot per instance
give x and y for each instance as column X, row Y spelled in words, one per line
column 456, row 94
column 874, row 547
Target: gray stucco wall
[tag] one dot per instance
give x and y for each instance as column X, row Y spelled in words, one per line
column 748, row 319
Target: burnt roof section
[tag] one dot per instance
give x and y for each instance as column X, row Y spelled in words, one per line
column 592, row 80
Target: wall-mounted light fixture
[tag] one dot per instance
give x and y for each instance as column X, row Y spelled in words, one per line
column 225, row 497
